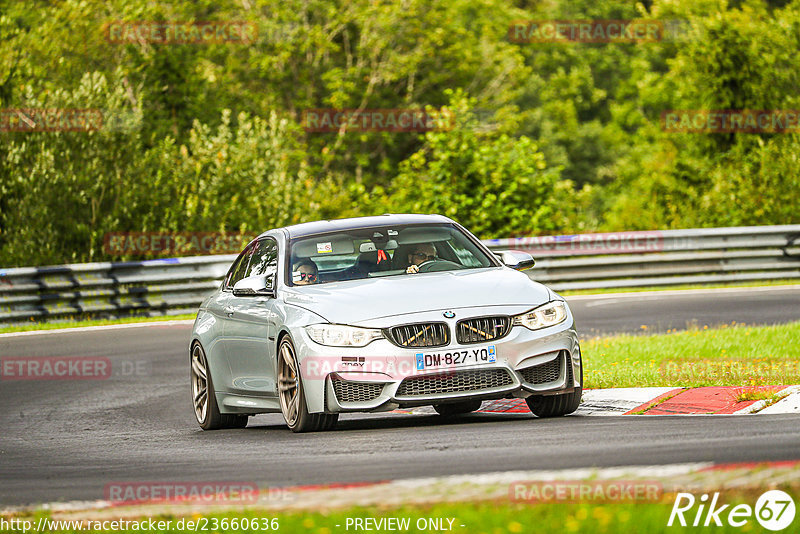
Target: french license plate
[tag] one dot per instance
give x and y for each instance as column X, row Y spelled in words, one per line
column 456, row 357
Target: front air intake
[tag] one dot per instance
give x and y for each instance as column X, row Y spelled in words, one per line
column 455, row 382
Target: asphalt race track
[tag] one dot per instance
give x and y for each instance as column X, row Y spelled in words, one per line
column 660, row 311
column 65, row 440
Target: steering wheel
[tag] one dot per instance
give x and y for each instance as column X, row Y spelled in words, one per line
column 432, row 266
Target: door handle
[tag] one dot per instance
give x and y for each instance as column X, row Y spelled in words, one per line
column 229, row 310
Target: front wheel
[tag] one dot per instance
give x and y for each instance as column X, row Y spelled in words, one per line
column 556, row 405
column 292, row 398
column 206, row 410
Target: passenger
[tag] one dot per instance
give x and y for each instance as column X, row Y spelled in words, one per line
column 305, row 273
column 419, row 255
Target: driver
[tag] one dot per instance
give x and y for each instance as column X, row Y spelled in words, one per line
column 305, row 273
column 420, row 254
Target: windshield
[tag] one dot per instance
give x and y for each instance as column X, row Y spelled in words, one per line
column 384, row 251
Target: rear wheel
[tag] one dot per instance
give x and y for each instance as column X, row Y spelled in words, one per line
column 556, row 405
column 292, row 398
column 206, row 410
column 457, row 408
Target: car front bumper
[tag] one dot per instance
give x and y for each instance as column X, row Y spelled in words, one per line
column 382, row 376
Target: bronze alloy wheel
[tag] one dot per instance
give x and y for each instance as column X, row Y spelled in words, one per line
column 204, row 401
column 290, row 393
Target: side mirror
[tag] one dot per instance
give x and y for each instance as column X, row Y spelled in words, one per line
column 252, row 286
column 515, row 259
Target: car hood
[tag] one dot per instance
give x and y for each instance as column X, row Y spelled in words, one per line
column 357, row 301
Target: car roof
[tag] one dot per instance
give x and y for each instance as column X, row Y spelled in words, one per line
column 320, row 227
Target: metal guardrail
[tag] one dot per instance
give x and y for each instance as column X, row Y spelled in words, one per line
column 171, row 286
column 662, row 258
column 583, row 261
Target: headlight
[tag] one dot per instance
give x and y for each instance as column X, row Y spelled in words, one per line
column 339, row 335
column 550, row 314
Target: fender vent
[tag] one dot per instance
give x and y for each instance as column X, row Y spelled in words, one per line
column 544, row 373
column 350, row 391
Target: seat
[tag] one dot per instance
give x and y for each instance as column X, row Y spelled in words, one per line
column 400, row 258
column 374, row 261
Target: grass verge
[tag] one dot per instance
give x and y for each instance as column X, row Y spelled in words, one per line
column 765, row 283
column 467, row 517
column 726, row 356
column 95, row 322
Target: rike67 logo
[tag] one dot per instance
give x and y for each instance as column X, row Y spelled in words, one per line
column 774, row 510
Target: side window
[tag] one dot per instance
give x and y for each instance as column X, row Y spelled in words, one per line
column 265, row 258
column 239, row 268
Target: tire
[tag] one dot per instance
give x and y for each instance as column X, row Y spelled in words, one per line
column 292, row 397
column 457, row 408
column 556, row 405
column 204, row 401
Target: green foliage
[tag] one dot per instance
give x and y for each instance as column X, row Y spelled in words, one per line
column 245, row 176
column 492, row 183
column 551, row 137
column 733, row 59
column 62, row 190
